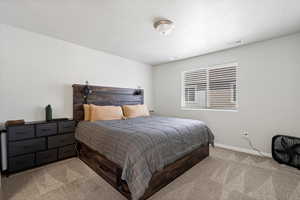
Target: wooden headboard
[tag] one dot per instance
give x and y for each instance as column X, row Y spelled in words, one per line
column 104, row 96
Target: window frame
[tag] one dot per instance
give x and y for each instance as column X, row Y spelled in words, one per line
column 216, row 66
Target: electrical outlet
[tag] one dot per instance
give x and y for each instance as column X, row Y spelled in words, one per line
column 245, row 134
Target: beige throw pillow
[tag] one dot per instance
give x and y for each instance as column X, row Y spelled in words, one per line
column 87, row 112
column 106, row 112
column 132, row 111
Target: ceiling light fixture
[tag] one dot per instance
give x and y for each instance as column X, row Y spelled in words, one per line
column 173, row 58
column 234, row 43
column 164, row 26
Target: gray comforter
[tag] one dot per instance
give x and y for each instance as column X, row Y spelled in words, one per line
column 144, row 145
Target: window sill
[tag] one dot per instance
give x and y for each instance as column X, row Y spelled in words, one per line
column 207, row 109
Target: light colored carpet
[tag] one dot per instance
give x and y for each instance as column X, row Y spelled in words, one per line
column 225, row 175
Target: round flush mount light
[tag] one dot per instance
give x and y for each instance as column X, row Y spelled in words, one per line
column 164, row 26
column 235, row 43
column 173, row 58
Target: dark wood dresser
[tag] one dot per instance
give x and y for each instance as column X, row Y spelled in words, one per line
column 37, row 143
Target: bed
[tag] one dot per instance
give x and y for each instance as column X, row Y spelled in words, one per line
column 141, row 155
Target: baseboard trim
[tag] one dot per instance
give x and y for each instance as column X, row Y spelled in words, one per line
column 244, row 150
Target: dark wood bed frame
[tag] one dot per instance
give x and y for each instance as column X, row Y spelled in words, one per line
column 109, row 170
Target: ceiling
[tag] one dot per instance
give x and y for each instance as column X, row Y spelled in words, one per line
column 125, row 27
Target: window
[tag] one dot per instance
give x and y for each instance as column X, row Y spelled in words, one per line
column 212, row 88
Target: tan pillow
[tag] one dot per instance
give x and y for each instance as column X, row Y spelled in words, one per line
column 87, row 112
column 131, row 111
column 106, row 112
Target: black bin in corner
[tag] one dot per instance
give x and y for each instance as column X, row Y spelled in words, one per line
column 286, row 150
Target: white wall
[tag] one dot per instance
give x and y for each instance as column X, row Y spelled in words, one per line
column 36, row 70
column 268, row 99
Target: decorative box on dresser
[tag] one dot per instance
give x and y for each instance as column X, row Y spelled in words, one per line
column 37, row 143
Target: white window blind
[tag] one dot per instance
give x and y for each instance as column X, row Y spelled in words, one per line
column 212, row 88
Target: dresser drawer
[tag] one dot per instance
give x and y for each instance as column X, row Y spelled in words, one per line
column 21, row 162
column 67, row 151
column 66, row 126
column 46, row 156
column 26, row 146
column 60, row 140
column 20, row 132
column 46, row 129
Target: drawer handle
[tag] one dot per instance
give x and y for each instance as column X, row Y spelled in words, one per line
column 20, row 162
column 68, row 151
column 46, row 129
column 62, row 141
column 20, row 132
column 104, row 168
column 68, row 126
column 26, row 147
